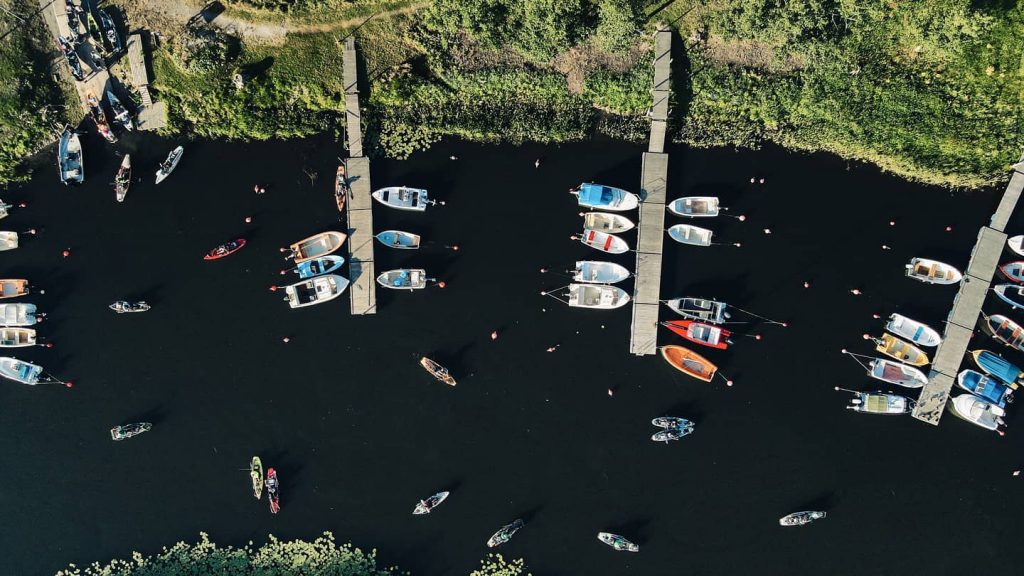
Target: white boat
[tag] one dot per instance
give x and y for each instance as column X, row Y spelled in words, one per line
column 699, row 309
column 880, row 403
column 17, row 337
column 896, row 373
column 609, row 243
column 123, row 179
column 594, row 272
column 8, row 240
column 69, row 157
column 932, row 271
column 315, row 290
column 695, row 206
column 605, row 222
column 14, row 369
column 977, row 411
column 170, row 164
column 693, row 235
column 403, row 198
column 316, row 246
column 4, row 207
column 591, row 195
column 404, row 279
column 18, row 314
column 597, row 296
column 916, row 332
column 801, row 518
column 398, row 239
column 1016, row 243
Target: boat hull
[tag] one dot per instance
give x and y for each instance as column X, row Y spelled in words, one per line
column 594, row 272
column 689, row 362
column 1005, row 331
column 403, row 279
column 597, row 296
column 995, row 365
column 897, row 349
column 699, row 309
column 315, row 291
column 977, row 411
column 317, row 245
column 700, row 333
column 912, row 330
column 985, row 387
column 695, row 206
column 225, row 250
column 1013, row 271
column 1012, row 294
column 692, row 235
column 607, row 223
column 170, row 164
column 609, row 243
column 399, row 240
column 318, row 266
column 603, row 197
column 896, row 373
column 932, row 272
column 403, row 198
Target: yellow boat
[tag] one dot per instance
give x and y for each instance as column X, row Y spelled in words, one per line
column 897, row 349
column 256, row 472
column 13, row 287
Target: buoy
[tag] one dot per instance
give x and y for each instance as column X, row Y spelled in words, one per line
column 455, row 247
column 807, row 284
column 843, row 350
column 752, row 179
column 884, row 247
column 248, row 219
column 767, row 230
column 728, row 382
column 66, row 252
column 757, row 336
column 892, row 222
column 286, row 339
column 761, row 181
column 69, row 384
column 49, row 344
column 441, row 284
column 262, row 190
column 785, row 324
column 743, row 218
column 949, row 228
column 22, row 205
column 611, row 392
column 543, row 270
column 282, row 249
column 738, row 245
column 494, row 335
column 866, row 336
column 283, row 272
column 273, row 288
column 855, row 292
column 875, row 316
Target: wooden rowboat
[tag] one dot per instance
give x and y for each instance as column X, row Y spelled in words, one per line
column 317, row 245
column 689, row 362
column 1013, row 271
column 341, row 189
column 13, row 287
column 17, row 337
column 1005, row 330
column 897, row 349
column 225, row 249
column 605, row 222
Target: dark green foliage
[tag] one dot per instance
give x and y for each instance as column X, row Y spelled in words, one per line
column 619, row 22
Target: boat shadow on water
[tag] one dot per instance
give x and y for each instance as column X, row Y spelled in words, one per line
column 635, row 530
column 689, row 410
column 154, row 416
column 288, row 471
column 149, row 295
column 824, row 501
column 453, row 360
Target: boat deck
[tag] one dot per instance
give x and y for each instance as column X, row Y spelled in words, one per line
column 359, row 206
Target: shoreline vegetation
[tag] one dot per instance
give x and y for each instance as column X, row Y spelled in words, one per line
column 931, row 91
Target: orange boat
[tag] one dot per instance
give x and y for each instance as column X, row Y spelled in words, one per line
column 689, row 362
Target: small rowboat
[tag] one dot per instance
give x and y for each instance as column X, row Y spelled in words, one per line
column 403, row 198
column 617, row 542
column 427, row 506
column 1005, row 330
column 597, row 296
column 1012, row 294
column 125, row 307
column 341, row 189
column 1013, row 271
column 594, row 272
column 978, row 412
column 605, row 222
column 671, row 422
column 987, row 388
column 692, row 235
column 315, row 290
column 399, row 239
column 695, row 206
column 699, row 309
column 609, row 243
column 18, row 314
column 932, row 272
column 880, row 403
column 689, row 362
column 1016, row 243
column 504, row 534
column 897, row 349
column 8, row 240
column 437, row 371
column 404, row 279
column 800, row 518
column 273, row 491
column 14, row 369
column 17, row 337
column 13, row 287
column 994, row 365
column 317, row 245
column 170, row 164
column 916, row 332
column 225, row 249
column 256, row 474
column 896, row 373
column 700, row 333
column 119, row 433
column 123, row 179
column 671, row 434
column 318, row 266
column 591, row 195
column 69, row 158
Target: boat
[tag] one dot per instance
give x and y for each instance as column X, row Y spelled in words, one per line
column 8, row 240
column 317, row 245
column 404, row 279
column 121, row 114
column 256, row 474
column 692, row 235
column 226, row 249
column 110, row 31
column 617, row 542
column 978, row 412
column 505, row 534
column 4, row 207
column 1012, row 294
column 897, row 349
column 125, row 307
column 896, row 373
column 597, row 296
column 437, row 371
column 1005, row 330
column 341, row 188
column 985, row 387
column 67, row 48
column 695, row 206
column 689, row 362
column 123, row 179
column 800, row 518
column 609, row 243
column 700, row 333
column 595, row 272
column 69, row 158
column 128, row 430
column 932, row 271
column 1013, row 270
column 699, row 309
column 916, row 332
column 427, row 506
column 14, row 369
column 880, row 403
column 606, row 197
column 17, row 337
column 99, row 117
column 18, row 314
column 403, row 198
column 1016, row 243
column 608, row 223
column 273, row 491
column 671, row 434
column 168, row 166
column 318, row 266
column 399, row 239
column 13, row 287
column 315, row 290
column 669, row 422
column 992, row 364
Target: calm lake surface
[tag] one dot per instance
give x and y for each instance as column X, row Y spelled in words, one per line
column 359, row 432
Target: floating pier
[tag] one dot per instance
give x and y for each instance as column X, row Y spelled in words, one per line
column 967, row 305
column 651, row 226
column 359, row 207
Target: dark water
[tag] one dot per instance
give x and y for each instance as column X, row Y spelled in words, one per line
column 359, row 433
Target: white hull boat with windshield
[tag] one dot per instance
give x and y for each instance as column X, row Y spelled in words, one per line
column 699, row 309
column 916, row 332
column 978, row 412
column 605, row 222
column 692, row 235
column 1012, row 294
column 8, row 240
column 595, row 272
column 403, row 198
column 880, row 403
column 315, row 290
column 604, row 197
column 398, row 239
column 609, row 243
column 896, row 373
column 597, row 296
column 1016, row 243
column 695, row 206
column 14, row 369
column 18, row 314
column 932, row 271
column 404, row 279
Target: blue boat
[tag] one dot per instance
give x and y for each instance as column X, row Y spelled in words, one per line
column 995, row 365
column 606, row 197
column 69, row 157
column 399, row 239
column 985, row 387
column 1012, row 294
column 319, row 266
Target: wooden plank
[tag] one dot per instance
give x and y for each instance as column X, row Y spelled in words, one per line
column 349, row 72
column 654, row 177
column 651, row 235
column 1009, row 200
column 657, row 139
column 359, row 181
column 353, row 119
column 137, row 61
column 648, row 290
column 362, row 291
column 644, row 329
column 932, row 400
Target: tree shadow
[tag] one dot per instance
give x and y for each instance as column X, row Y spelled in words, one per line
column 257, row 69
column 682, row 86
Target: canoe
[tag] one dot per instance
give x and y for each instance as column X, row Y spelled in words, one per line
column 318, row 266
column 985, row 387
column 226, row 249
column 13, row 287
column 932, row 272
column 256, row 474
column 605, row 222
column 121, row 114
column 617, row 542
column 404, row 279
column 1016, row 243
column 119, row 433
column 879, row 403
column 699, row 309
column 671, row 434
column 897, row 349
column 123, row 179
column 403, row 198
column 428, row 505
column 170, row 164
column 1012, row 294
column 398, row 239
column 69, row 158
column 801, row 518
column 978, row 412
column 14, row 369
column 317, row 245
column 672, row 422
column 609, row 243
column 437, row 371
column 689, row 362
column 595, row 272
column 591, row 195
column 916, row 332
column 341, row 188
column 993, row 365
column 1013, row 271
column 273, row 491
column 692, row 235
column 694, row 206
column 700, row 333
column 18, row 314
column 896, row 373
column 17, row 337
column 504, row 534
column 109, row 30
column 597, row 296
column 1005, row 330
column 8, row 240
column 315, row 290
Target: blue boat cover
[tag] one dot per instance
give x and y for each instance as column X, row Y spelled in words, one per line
column 997, row 366
column 988, row 389
column 596, row 195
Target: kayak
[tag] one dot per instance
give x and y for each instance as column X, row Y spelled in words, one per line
column 225, row 249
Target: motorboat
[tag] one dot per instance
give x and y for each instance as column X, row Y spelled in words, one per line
column 932, row 271
column 119, row 433
column 606, row 222
column 315, row 290
column 1005, row 330
column 1013, row 271
column 897, row 349
column 695, row 206
column 699, row 309
column 13, row 287
column 800, row 518
column 123, row 179
column 437, row 371
column 896, row 373
column 1012, row 294
column 18, row 314
column 403, row 198
column 669, row 422
column 504, row 534
column 880, row 403
column 1016, row 243
column 427, row 506
column 256, row 475
column 226, row 249
column 4, row 207
column 109, row 31
column 604, row 242
column 69, row 157
column 618, row 543
column 318, row 266
column 19, row 371
column 917, row 332
column 597, row 296
column 273, row 491
column 67, row 48
column 168, row 165
column 398, row 239
column 591, row 195
column 689, row 362
column 671, row 434
column 11, row 337
column 317, row 245
column 700, row 333
column 8, row 240
column 985, row 387
column 692, row 235
column 99, row 117
column 121, row 114
column 125, row 307
column 993, row 365
column 595, row 272
column 404, row 279
column 341, row 187
column 978, row 412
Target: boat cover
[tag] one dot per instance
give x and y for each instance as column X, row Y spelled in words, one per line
column 998, row 367
column 596, row 195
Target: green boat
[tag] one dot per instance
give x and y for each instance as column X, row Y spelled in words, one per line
column 256, row 471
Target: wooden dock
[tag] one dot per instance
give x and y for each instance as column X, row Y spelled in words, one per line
column 967, row 305
column 359, row 206
column 152, row 115
column 651, row 226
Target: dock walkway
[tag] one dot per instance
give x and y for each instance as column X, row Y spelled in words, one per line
column 152, row 115
column 359, row 206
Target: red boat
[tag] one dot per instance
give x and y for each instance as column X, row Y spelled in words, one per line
column 225, row 249
column 700, row 333
column 273, row 491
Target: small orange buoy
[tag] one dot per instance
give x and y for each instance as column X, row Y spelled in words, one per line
column 441, row 284
column 273, row 288
column 69, row 384
column 807, row 284
column 66, row 252
column 49, row 344
column 743, row 218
